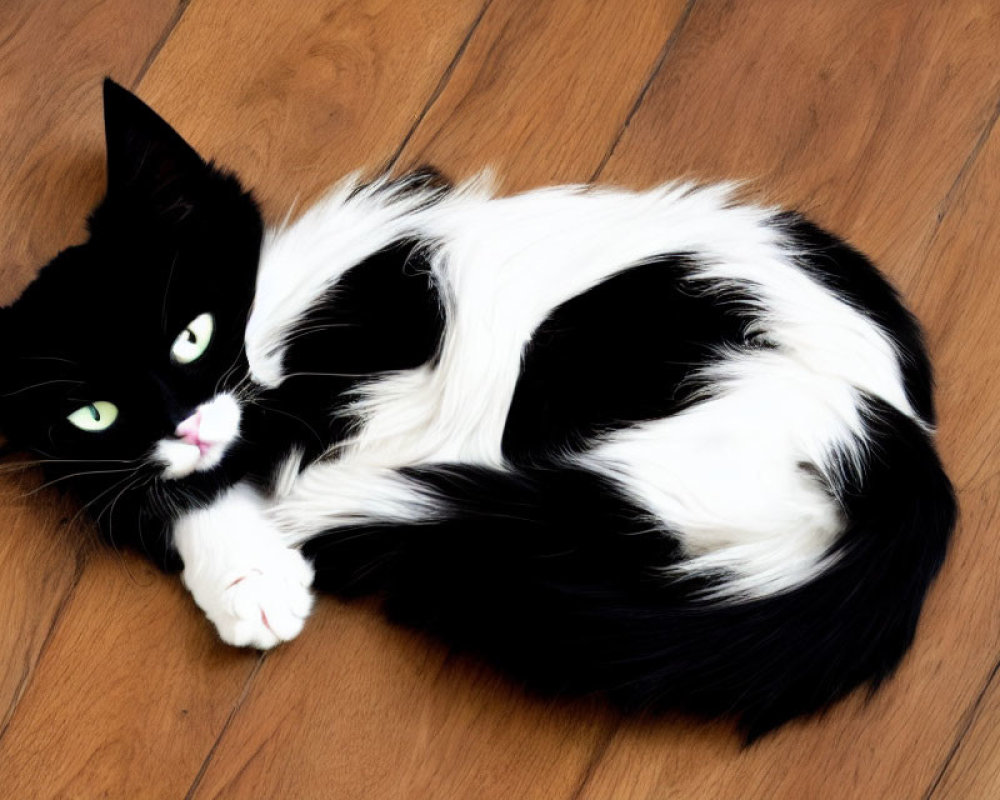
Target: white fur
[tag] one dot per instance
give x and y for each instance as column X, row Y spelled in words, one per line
column 220, row 426
column 301, row 259
column 725, row 473
column 724, row 476
column 240, row 570
column 333, row 494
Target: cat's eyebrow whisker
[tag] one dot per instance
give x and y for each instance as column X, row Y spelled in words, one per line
column 166, row 293
column 49, row 358
column 43, row 383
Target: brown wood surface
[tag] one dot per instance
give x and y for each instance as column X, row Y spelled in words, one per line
column 877, row 117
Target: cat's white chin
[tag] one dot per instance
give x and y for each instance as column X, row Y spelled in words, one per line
column 219, row 426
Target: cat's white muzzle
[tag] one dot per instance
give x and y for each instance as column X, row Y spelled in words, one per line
column 201, row 440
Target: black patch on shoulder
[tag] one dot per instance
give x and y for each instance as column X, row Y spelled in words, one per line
column 850, row 275
column 620, row 353
column 384, row 314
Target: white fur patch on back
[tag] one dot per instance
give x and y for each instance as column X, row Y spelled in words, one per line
column 725, row 476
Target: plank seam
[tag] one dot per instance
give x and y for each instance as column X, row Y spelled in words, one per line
column 969, row 718
column 29, row 671
column 668, row 47
column 247, row 688
column 967, row 166
column 445, row 78
column 182, row 7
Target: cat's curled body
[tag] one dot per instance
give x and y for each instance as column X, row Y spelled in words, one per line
column 661, row 445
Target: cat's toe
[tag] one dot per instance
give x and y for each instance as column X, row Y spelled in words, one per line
column 263, row 607
column 272, row 609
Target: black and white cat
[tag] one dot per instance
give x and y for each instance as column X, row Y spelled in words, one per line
column 661, row 445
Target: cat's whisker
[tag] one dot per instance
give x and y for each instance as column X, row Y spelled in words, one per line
column 95, row 499
column 247, row 391
column 224, row 378
column 109, row 509
column 298, row 333
column 327, row 375
column 21, row 465
column 62, row 478
column 290, row 415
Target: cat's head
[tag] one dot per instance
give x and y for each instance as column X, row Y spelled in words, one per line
column 127, row 350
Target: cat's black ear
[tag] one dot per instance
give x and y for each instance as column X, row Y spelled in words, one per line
column 147, row 159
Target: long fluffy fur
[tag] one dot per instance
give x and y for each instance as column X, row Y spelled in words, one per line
column 748, row 530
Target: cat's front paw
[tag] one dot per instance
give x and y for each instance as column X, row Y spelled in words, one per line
column 264, row 604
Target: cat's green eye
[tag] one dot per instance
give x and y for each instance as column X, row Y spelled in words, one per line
column 192, row 342
column 95, row 417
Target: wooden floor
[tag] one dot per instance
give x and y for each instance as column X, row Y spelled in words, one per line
column 877, row 117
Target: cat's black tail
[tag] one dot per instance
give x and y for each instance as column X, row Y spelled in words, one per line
column 556, row 578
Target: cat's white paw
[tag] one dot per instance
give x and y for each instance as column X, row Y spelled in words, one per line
column 261, row 605
column 241, row 572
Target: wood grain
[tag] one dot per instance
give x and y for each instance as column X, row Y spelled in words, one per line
column 543, row 90
column 130, row 701
column 52, row 56
column 293, row 96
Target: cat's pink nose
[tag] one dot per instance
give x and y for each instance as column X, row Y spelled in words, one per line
column 188, row 430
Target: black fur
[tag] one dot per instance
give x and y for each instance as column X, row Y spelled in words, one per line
column 552, row 575
column 384, row 315
column 592, row 366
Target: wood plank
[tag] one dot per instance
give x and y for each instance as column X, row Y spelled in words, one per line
column 299, row 94
column 543, row 102
column 373, row 711
column 52, row 56
column 354, row 76
column 370, row 711
column 118, row 705
column 865, row 114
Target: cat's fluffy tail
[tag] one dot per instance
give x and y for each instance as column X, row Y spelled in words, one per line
column 555, row 577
